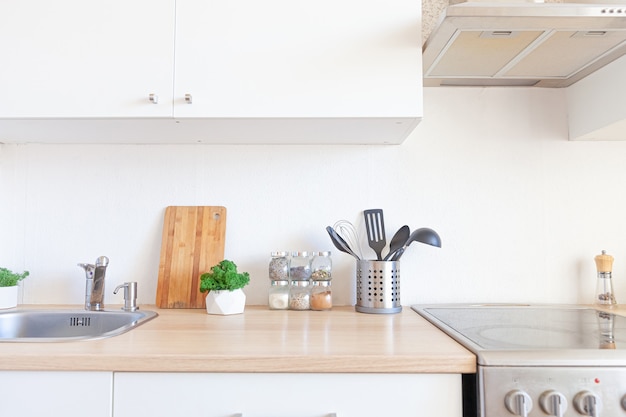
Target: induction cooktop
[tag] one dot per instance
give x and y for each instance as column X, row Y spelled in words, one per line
column 533, row 334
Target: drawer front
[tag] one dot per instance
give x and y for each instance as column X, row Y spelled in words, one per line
column 55, row 394
column 286, row 395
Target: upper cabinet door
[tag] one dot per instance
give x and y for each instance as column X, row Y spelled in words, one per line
column 76, row 58
column 210, row 71
column 296, row 58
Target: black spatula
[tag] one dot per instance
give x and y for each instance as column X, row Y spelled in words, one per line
column 375, row 226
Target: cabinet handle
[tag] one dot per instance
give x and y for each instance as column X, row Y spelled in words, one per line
column 154, row 98
column 188, row 98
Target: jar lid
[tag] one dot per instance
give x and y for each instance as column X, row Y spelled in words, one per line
column 280, row 253
column 301, row 253
column 323, row 253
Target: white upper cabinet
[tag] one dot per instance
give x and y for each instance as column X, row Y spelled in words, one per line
column 297, row 58
column 76, row 58
column 237, row 71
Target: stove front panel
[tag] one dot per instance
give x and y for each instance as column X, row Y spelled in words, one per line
column 552, row 391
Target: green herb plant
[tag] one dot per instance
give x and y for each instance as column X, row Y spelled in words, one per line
column 223, row 276
column 9, row 278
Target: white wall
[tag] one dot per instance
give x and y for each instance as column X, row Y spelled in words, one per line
column 521, row 210
column 594, row 104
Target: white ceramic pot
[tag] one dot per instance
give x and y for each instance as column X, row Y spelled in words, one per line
column 8, row 297
column 225, row 302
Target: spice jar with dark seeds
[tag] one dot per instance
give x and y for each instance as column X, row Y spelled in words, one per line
column 300, row 274
column 300, row 266
column 279, row 266
column 321, row 293
column 278, row 294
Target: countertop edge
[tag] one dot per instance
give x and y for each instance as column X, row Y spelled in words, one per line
column 259, row 341
column 307, row 364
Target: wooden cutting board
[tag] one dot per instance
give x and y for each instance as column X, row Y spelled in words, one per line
column 193, row 242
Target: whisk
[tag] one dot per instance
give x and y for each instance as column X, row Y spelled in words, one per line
column 348, row 232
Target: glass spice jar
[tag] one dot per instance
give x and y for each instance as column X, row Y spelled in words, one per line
column 321, row 293
column 278, row 296
column 321, row 266
column 300, row 295
column 279, row 266
column 300, row 275
column 321, row 296
column 278, row 272
column 300, row 266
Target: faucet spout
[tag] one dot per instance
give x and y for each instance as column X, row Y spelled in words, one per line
column 94, row 289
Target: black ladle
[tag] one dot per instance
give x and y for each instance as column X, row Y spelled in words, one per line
column 340, row 243
column 423, row 235
column 398, row 240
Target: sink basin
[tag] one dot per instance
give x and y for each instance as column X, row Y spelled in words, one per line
column 66, row 325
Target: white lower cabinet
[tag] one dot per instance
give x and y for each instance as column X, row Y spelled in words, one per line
column 106, row 394
column 286, row 395
column 55, row 394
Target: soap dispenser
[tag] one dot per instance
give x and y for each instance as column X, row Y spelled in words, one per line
column 604, row 289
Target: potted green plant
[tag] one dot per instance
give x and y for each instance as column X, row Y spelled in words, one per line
column 224, row 286
column 8, row 287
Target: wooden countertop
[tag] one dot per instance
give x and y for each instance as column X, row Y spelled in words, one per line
column 259, row 340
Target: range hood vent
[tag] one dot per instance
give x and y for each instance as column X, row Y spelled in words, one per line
column 522, row 44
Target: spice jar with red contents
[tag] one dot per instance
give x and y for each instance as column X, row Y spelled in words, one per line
column 321, row 293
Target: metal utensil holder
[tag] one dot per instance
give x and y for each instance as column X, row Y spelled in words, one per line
column 378, row 287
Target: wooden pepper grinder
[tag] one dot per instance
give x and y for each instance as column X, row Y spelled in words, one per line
column 604, row 289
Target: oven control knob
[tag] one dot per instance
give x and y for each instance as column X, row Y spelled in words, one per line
column 553, row 403
column 518, row 403
column 587, row 403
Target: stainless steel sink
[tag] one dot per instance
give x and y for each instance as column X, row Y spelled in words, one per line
column 66, row 325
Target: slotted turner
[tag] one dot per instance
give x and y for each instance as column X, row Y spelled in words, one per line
column 375, row 226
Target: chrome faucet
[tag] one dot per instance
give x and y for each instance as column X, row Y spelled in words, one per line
column 94, row 289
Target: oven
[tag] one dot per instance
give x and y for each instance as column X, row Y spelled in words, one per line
column 538, row 360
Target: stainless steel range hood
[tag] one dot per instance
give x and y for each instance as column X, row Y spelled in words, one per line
column 523, row 44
